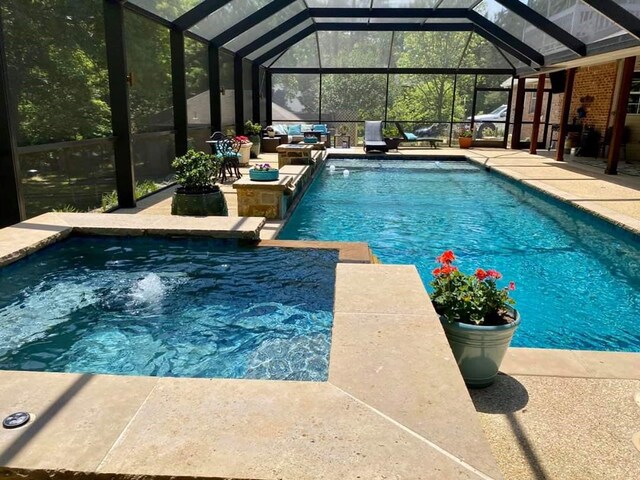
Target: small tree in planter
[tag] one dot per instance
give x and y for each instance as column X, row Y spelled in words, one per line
column 477, row 316
column 253, row 130
column 198, row 195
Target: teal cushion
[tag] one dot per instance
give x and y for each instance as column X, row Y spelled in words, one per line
column 295, row 129
column 310, row 140
column 411, row 137
column 320, row 128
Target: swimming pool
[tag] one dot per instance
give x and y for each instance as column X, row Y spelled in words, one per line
column 578, row 280
column 169, row 307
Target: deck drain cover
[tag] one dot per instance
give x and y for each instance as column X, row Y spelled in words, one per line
column 16, row 420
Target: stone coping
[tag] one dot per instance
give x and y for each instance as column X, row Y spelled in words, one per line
column 577, row 186
column 394, row 406
column 21, row 239
column 572, row 363
column 282, row 183
column 348, row 252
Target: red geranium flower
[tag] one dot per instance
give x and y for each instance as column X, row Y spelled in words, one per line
column 481, row 274
column 448, row 269
column 494, row 274
column 446, row 257
column 437, row 272
column 512, row 285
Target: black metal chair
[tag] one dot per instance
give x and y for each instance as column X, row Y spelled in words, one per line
column 228, row 148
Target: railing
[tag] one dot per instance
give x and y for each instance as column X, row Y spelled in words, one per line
column 66, row 175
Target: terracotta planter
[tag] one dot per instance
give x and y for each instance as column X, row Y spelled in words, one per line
column 479, row 349
column 465, row 142
column 245, row 153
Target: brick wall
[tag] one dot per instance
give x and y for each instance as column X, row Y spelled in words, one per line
column 598, row 82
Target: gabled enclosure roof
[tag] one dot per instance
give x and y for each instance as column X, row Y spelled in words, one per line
column 322, row 34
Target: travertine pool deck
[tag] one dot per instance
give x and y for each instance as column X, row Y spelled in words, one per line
column 551, row 414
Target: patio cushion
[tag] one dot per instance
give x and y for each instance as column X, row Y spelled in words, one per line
column 320, row 128
column 411, row 137
column 295, row 129
column 280, row 129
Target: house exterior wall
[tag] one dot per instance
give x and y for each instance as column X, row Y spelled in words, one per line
column 593, row 89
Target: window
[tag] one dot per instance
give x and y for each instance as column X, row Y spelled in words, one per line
column 633, row 107
column 532, row 102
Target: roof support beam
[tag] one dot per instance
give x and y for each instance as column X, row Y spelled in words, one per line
column 503, row 45
column 388, row 12
column 286, row 44
column 391, row 27
column 251, row 21
column 617, row 14
column 275, row 33
column 546, row 25
column 198, row 13
column 505, row 38
column 392, row 71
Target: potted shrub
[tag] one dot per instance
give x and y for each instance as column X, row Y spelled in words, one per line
column 245, row 149
column 263, row 172
column 253, row 130
column 198, row 195
column 477, row 316
column 465, row 138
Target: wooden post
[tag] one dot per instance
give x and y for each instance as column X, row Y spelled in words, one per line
column 620, row 115
column 564, row 117
column 517, row 114
column 533, row 148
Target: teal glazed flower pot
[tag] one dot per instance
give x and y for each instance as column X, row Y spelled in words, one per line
column 479, row 349
column 263, row 175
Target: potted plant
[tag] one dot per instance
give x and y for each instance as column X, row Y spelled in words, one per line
column 253, row 130
column 263, row 172
column 198, row 195
column 245, row 149
column 465, row 138
column 477, row 316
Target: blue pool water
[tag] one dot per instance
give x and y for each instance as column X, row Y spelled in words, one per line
column 578, row 281
column 162, row 307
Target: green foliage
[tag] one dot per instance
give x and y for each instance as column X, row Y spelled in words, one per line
column 465, row 133
column 390, row 130
column 251, row 128
column 66, row 208
column 474, row 299
column 110, row 200
column 196, row 171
